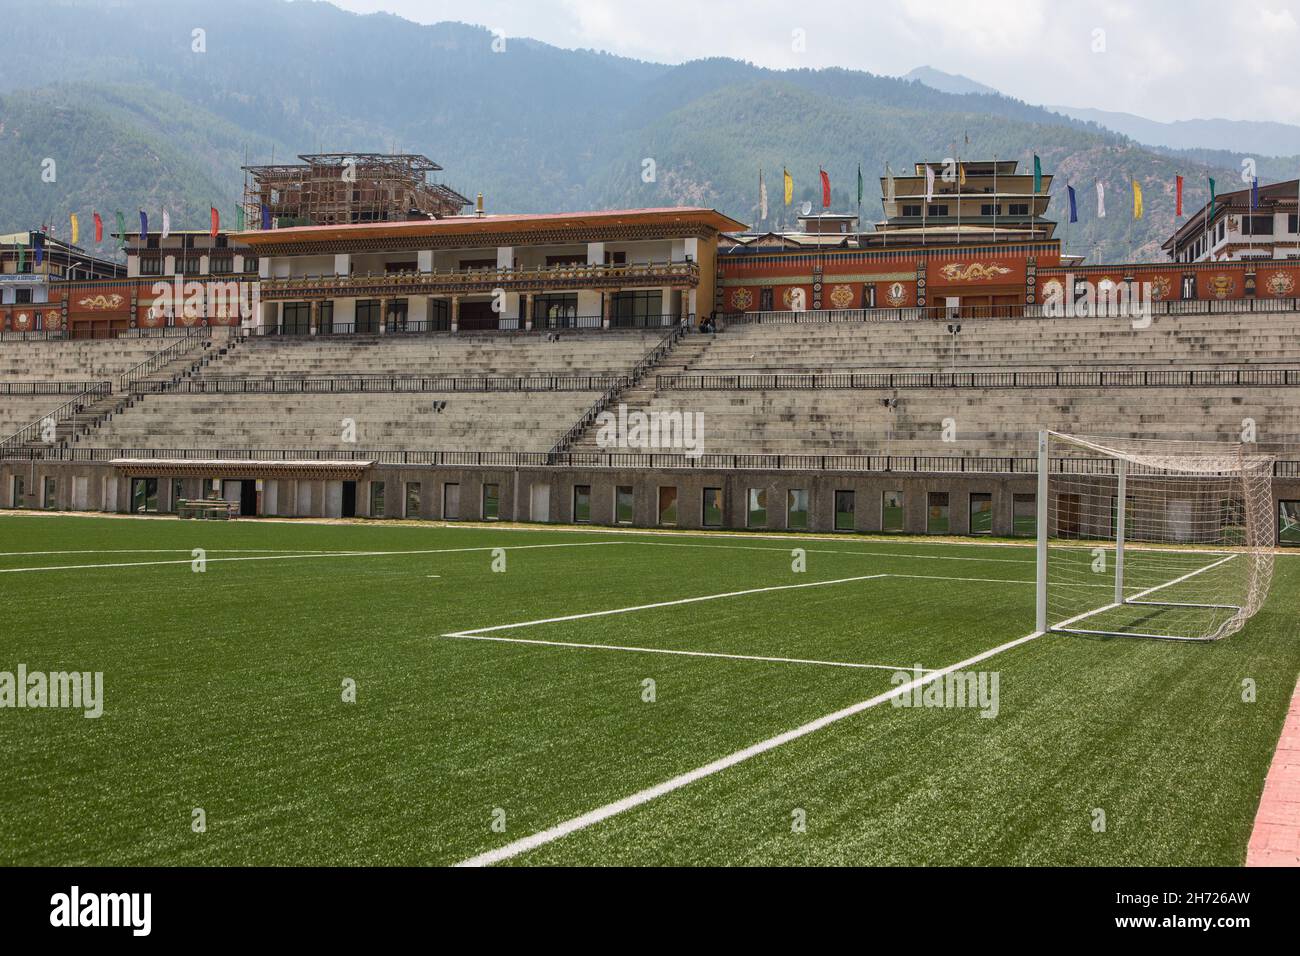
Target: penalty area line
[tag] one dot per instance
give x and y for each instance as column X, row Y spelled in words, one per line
column 592, row 817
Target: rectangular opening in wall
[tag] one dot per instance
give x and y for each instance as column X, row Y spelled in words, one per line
column 712, row 508
column 144, row 495
column 582, row 504
column 892, row 515
column 50, row 494
column 20, row 492
column 1288, row 524
column 668, row 506
column 844, row 520
column 756, row 512
column 376, row 499
column 796, row 509
column 451, row 501
column 1024, row 515
column 624, row 510
column 178, row 492
column 491, row 501
column 412, row 499
column 539, row 502
column 936, row 517
column 981, row 513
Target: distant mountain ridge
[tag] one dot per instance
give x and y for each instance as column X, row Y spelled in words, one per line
column 948, row 82
column 1249, row 136
column 140, row 119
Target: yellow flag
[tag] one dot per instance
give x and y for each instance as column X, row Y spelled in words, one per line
column 76, row 229
column 789, row 187
column 961, row 174
column 1137, row 200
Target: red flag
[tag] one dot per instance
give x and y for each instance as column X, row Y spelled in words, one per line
column 99, row 229
column 826, row 190
column 1178, row 184
column 216, row 221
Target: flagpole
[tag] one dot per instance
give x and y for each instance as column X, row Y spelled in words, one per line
column 997, row 201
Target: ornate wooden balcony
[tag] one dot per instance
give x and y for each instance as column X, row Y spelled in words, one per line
column 483, row 281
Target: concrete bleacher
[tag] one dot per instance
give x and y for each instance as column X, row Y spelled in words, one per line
column 1246, row 339
column 493, row 421
column 75, row 360
column 988, row 421
column 399, row 355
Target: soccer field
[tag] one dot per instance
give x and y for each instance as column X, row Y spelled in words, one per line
column 619, row 698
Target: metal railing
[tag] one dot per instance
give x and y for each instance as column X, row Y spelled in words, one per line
column 1010, row 378
column 162, row 357
column 485, row 279
column 65, row 412
column 878, row 464
column 380, row 384
column 45, row 388
column 1173, row 307
column 648, row 361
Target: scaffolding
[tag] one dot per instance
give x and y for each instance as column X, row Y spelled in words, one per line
column 337, row 188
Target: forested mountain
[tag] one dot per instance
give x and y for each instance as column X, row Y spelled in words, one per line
column 144, row 103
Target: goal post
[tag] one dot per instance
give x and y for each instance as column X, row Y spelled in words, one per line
column 1141, row 538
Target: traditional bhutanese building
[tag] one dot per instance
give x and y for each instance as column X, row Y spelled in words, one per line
column 976, row 240
column 1234, row 230
column 27, row 303
column 629, row 268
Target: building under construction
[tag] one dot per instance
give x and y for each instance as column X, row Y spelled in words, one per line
column 337, row 188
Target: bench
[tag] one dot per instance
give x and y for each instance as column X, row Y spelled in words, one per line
column 207, row 508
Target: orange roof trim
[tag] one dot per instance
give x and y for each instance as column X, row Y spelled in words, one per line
column 479, row 225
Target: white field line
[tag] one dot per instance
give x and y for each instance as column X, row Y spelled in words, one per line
column 310, row 554
column 29, row 554
column 872, row 554
column 939, row 577
column 600, row 814
column 663, row 650
column 475, row 631
column 1192, row 574
column 1140, row 594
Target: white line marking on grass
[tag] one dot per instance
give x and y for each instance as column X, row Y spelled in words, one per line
column 664, row 650
column 600, row 814
column 872, row 554
column 309, row 554
column 1140, row 594
column 939, row 577
column 470, row 632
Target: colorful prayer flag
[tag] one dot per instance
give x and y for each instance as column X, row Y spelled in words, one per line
column 1137, row 200
column 216, row 221
column 789, row 186
column 99, row 228
column 1074, row 212
column 826, row 190
column 1038, row 175
column 1178, row 195
column 76, row 228
column 1101, row 200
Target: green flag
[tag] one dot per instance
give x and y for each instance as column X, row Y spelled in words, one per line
column 1212, row 199
column 859, row 184
column 1038, row 175
column 239, row 218
column 121, row 230
column 22, row 255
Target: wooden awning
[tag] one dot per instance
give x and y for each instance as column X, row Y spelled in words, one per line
column 252, row 468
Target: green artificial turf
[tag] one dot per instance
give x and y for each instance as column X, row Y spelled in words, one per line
column 223, row 692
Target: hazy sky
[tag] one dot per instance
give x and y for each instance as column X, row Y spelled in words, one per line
column 1164, row 59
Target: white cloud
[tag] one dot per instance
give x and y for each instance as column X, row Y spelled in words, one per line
column 1165, row 59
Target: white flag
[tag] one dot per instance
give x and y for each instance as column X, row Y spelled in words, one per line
column 929, row 183
column 167, row 224
column 762, row 196
column 890, row 196
column 1101, row 200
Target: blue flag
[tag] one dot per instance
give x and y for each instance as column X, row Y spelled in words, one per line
column 266, row 216
column 1074, row 211
column 38, row 243
column 144, row 226
column 1254, row 193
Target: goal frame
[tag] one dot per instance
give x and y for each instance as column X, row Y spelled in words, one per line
column 1042, row 509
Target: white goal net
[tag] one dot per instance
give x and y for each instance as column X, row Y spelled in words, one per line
column 1188, row 556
